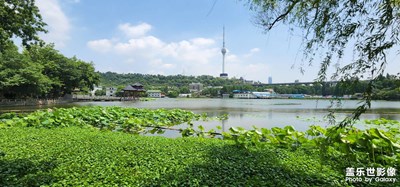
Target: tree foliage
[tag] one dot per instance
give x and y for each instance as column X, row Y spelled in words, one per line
column 66, row 74
column 114, row 79
column 40, row 70
column 43, row 72
column 20, row 19
column 386, row 87
column 368, row 28
column 20, row 77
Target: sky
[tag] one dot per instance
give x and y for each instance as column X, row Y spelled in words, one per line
column 175, row 37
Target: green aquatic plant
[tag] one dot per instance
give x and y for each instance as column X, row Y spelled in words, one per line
column 130, row 120
column 75, row 156
column 379, row 144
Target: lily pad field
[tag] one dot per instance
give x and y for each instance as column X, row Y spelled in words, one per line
column 105, row 146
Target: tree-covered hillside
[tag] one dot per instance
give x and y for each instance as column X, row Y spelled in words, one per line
column 149, row 81
column 385, row 87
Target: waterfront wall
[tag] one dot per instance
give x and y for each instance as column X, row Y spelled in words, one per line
column 32, row 102
column 96, row 98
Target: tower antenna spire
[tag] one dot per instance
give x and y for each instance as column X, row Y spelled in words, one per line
column 223, row 36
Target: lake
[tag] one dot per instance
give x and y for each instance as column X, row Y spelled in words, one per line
column 267, row 113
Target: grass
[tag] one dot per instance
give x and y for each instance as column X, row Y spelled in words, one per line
column 75, row 156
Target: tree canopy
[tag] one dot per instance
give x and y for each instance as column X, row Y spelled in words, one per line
column 330, row 28
column 39, row 71
column 42, row 72
column 20, row 19
column 19, row 76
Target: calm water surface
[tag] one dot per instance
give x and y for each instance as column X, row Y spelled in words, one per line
column 258, row 112
column 263, row 112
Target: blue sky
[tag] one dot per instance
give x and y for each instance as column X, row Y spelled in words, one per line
column 174, row 37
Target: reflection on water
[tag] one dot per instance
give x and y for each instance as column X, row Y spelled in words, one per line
column 248, row 112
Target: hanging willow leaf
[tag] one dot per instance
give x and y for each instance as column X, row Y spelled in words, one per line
column 366, row 29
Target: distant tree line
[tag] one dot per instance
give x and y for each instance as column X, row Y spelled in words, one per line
column 171, row 85
column 42, row 72
column 385, row 87
column 116, row 79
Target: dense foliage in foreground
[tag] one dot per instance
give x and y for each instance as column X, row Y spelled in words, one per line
column 330, row 150
column 378, row 145
column 80, row 156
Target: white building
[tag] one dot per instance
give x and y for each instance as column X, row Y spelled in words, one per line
column 263, row 95
column 154, row 93
column 185, row 95
column 253, row 95
column 244, row 95
column 111, row 91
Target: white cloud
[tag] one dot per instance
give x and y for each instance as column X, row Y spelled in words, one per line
column 133, row 31
column 232, row 58
column 248, row 71
column 202, row 41
column 168, row 66
column 134, row 45
column 159, row 64
column 252, row 52
column 196, row 50
column 102, row 45
column 145, row 53
column 73, row 1
column 58, row 24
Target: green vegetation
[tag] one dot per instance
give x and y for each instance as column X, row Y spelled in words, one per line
column 101, row 92
column 350, row 145
column 65, row 147
column 36, row 151
column 130, row 120
column 42, row 72
column 384, row 88
column 162, row 81
column 83, row 157
column 387, row 88
column 171, row 85
column 39, row 71
column 19, row 19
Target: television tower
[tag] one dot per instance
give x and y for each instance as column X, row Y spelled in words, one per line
column 223, row 51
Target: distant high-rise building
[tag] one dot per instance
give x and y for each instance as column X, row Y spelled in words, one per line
column 223, row 51
column 269, row 80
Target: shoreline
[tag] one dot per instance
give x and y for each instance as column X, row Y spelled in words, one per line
column 31, row 102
